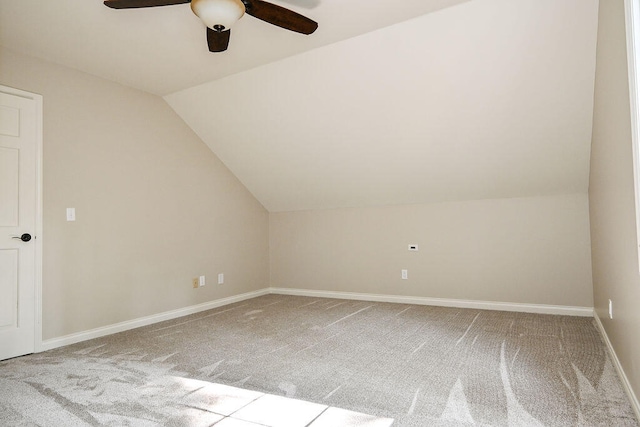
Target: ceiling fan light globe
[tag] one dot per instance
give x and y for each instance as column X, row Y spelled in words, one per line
column 219, row 15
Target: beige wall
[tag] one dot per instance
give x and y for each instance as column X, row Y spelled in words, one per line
column 527, row 250
column 155, row 207
column 611, row 195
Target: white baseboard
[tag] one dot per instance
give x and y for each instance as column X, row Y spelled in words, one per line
column 616, row 363
column 144, row 321
column 443, row 302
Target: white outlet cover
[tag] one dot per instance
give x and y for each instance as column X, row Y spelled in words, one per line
column 71, row 214
column 201, row 281
column 220, row 278
column 405, row 274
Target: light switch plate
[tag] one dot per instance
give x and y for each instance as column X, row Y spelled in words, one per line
column 71, row 214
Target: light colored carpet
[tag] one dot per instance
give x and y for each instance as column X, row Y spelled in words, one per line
column 421, row 365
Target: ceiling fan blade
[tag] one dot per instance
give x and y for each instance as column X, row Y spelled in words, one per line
column 133, row 4
column 218, row 40
column 280, row 16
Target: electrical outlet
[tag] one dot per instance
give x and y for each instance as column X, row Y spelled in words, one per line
column 196, row 282
column 610, row 309
column 405, row 274
column 201, row 281
column 220, row 278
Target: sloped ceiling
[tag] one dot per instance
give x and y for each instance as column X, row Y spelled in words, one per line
column 163, row 49
column 487, row 99
column 387, row 103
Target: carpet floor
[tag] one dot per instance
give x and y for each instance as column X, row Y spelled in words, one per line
column 420, row 365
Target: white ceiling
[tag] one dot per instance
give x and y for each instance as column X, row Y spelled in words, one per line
column 487, row 99
column 164, row 49
column 387, row 103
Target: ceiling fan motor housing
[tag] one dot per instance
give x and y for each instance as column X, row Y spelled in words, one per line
column 219, row 15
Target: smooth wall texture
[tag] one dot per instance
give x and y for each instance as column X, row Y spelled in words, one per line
column 489, row 99
column 524, row 250
column 155, row 207
column 611, row 195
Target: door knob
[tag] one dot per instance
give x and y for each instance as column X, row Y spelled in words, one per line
column 25, row 237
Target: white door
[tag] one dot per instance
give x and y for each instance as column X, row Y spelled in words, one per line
column 18, row 209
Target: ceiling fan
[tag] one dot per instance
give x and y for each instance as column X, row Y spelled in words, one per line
column 220, row 15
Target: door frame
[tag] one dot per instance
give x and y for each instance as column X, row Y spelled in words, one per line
column 37, row 345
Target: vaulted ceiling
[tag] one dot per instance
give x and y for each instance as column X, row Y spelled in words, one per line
column 163, row 49
column 387, row 103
